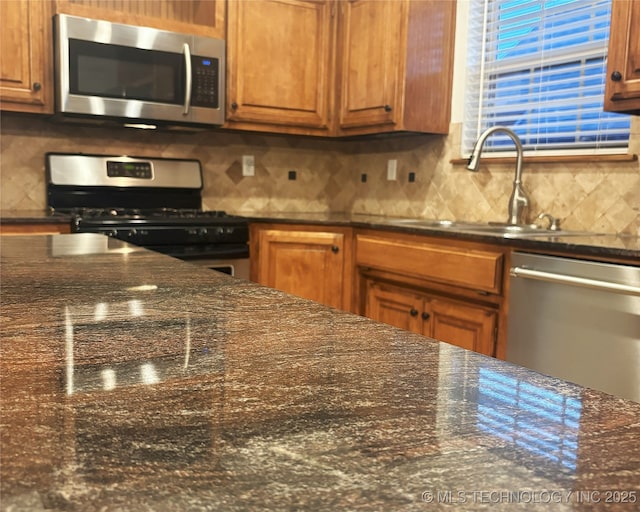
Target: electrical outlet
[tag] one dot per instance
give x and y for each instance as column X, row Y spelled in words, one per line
column 392, row 169
column 248, row 165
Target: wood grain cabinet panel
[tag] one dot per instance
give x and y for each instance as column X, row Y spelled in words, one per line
column 38, row 228
column 470, row 268
column 470, row 326
column 622, row 90
column 280, row 74
column 394, row 305
column 445, row 289
column 198, row 17
column 340, row 67
column 26, row 76
column 395, row 61
column 371, row 53
column 308, row 263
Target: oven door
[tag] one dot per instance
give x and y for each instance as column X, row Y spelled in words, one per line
column 137, row 73
column 231, row 259
column 237, row 267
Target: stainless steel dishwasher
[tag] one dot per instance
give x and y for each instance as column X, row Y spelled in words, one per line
column 576, row 320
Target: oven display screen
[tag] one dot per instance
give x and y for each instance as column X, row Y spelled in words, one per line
column 141, row 170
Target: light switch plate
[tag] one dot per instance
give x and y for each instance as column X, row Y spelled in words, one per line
column 248, row 165
column 392, row 170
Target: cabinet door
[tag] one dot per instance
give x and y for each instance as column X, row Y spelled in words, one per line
column 622, row 91
column 26, row 70
column 394, row 305
column 462, row 324
column 372, row 57
column 304, row 263
column 279, row 65
column 203, row 18
column 467, row 326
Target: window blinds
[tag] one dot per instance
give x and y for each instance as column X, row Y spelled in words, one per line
column 538, row 67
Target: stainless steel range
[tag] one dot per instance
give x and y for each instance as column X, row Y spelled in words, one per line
column 155, row 203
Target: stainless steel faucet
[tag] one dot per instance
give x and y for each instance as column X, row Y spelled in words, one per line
column 519, row 201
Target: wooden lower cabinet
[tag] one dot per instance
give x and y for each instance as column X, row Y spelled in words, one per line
column 38, row 228
column 460, row 323
column 304, row 261
column 450, row 290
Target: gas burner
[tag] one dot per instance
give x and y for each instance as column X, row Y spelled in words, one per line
column 147, row 213
column 186, row 213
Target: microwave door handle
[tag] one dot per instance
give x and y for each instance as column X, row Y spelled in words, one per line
column 187, row 66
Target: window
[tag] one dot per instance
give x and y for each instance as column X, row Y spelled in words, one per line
column 538, row 67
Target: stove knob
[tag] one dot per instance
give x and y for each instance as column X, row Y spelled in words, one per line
column 132, row 233
column 228, row 231
column 112, row 233
column 203, row 231
column 219, row 231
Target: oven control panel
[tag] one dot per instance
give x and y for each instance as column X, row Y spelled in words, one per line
column 140, row 170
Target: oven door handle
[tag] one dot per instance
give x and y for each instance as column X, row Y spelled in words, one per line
column 188, row 78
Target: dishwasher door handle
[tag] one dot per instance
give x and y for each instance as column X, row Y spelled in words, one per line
column 593, row 284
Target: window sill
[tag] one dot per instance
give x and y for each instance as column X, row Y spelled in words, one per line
column 558, row 159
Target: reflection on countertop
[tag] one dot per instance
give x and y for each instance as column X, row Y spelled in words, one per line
column 133, row 381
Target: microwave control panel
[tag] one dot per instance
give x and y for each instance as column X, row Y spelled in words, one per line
column 204, row 89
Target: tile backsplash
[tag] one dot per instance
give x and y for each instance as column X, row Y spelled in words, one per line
column 602, row 196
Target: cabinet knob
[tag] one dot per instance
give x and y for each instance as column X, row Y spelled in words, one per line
column 234, row 106
column 335, row 249
column 37, row 86
column 387, row 108
column 616, row 76
column 413, row 312
column 425, row 315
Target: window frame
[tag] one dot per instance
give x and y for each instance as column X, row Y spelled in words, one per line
column 472, row 123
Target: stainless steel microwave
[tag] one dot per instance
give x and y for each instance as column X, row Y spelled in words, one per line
column 137, row 75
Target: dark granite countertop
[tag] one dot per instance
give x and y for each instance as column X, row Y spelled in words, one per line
column 596, row 246
column 132, row 381
column 589, row 245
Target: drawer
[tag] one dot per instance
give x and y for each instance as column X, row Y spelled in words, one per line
column 471, row 268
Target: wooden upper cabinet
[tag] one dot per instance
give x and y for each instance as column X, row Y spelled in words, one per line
column 395, row 60
column 340, row 67
column 198, row 17
column 372, row 63
column 622, row 90
column 279, row 59
column 26, row 68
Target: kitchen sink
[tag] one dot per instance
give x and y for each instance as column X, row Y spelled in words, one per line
column 522, row 230
column 438, row 224
column 490, row 228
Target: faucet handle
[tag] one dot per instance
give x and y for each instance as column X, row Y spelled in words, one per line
column 554, row 223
